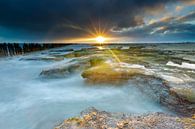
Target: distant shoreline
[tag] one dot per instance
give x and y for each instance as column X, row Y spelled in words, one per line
column 93, row 43
column 12, row 49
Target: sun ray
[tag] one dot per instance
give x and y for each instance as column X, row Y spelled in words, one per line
column 114, row 55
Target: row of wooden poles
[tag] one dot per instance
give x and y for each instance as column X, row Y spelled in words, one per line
column 11, row 49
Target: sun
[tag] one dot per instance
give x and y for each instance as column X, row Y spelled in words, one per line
column 100, row 39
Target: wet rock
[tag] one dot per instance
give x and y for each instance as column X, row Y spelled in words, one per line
column 94, row 119
column 95, row 61
column 187, row 93
column 162, row 92
column 73, row 66
column 110, row 73
column 42, row 58
column 66, row 70
column 62, row 50
column 81, row 53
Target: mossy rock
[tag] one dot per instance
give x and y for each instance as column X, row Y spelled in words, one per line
column 185, row 93
column 110, row 74
column 66, row 70
column 79, row 53
column 95, row 61
column 70, row 55
column 78, row 121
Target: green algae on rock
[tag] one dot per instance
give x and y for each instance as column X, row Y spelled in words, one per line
column 110, row 73
column 187, row 93
column 81, row 53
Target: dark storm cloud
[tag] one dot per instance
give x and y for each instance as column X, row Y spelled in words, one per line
column 179, row 24
column 59, row 17
column 175, row 26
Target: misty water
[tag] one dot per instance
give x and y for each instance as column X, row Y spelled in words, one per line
column 29, row 102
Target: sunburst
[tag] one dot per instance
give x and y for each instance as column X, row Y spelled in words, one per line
column 100, row 39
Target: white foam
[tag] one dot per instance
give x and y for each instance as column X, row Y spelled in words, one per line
column 172, row 79
column 183, row 65
column 137, row 66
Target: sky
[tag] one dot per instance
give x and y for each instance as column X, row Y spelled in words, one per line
column 78, row 21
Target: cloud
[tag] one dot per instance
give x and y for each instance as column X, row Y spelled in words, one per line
column 189, row 17
column 64, row 18
column 164, row 28
column 179, row 8
column 189, row 2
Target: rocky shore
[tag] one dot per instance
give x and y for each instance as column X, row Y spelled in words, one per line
column 149, row 70
column 152, row 86
column 143, row 67
column 94, row 119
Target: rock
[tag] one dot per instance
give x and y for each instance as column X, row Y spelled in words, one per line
column 110, row 73
column 161, row 92
column 80, row 53
column 95, row 61
column 42, row 58
column 66, row 70
column 75, row 65
column 61, row 50
column 106, row 120
column 187, row 93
